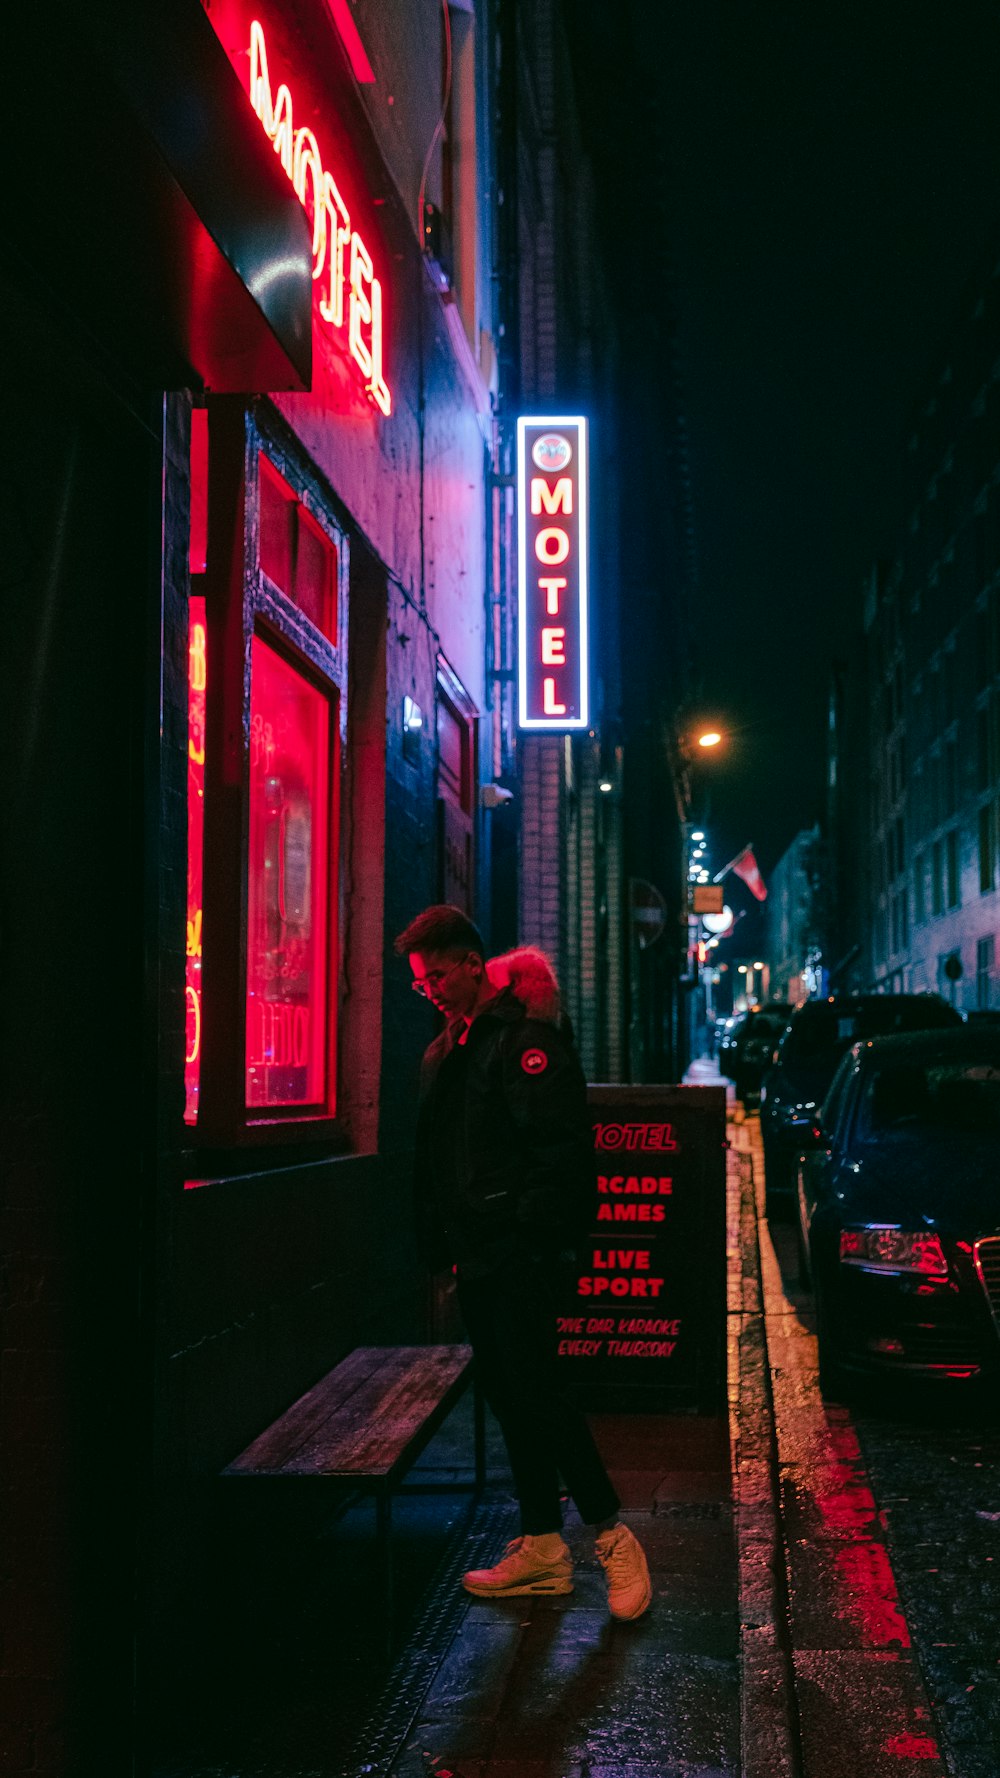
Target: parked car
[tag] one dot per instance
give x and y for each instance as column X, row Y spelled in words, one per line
column 898, row 1194
column 755, row 1044
column 818, row 1033
column 729, row 1030
column 739, row 1027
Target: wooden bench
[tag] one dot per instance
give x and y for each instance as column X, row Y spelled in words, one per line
column 365, row 1423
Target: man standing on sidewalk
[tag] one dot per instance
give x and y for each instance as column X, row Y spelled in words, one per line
column 504, row 1162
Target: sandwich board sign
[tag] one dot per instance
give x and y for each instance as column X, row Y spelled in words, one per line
column 642, row 1321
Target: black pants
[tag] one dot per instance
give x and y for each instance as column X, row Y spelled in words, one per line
column 510, row 1316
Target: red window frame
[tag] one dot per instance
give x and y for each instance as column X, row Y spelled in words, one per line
column 247, row 612
column 289, row 1056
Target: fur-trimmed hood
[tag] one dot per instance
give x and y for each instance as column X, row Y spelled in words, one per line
column 531, row 979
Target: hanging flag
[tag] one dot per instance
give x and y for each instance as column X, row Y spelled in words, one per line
column 745, row 867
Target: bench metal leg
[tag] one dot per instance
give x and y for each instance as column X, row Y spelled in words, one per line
column 479, row 1422
column 383, row 1528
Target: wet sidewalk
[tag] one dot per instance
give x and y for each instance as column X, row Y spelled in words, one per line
column 555, row 1688
column 775, row 1646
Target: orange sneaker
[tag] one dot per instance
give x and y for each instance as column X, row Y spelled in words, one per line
column 522, row 1570
column 623, row 1559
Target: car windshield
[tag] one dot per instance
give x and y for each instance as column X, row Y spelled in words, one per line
column 826, row 1030
column 952, row 1096
column 768, row 1024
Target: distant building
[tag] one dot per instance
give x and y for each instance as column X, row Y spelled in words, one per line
column 928, row 818
column 848, row 854
column 794, row 920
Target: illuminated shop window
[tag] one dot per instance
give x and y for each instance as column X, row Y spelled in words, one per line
column 295, row 552
column 199, row 490
column 289, row 874
column 195, row 845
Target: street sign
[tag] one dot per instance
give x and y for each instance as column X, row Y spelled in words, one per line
column 649, row 912
column 717, row 924
column 642, row 1323
column 707, row 898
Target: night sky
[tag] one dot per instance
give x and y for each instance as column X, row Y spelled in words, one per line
column 828, row 179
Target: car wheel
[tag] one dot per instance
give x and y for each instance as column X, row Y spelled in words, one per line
column 834, row 1383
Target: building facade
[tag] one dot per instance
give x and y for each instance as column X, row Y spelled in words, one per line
column 261, row 595
column 931, row 660
column 601, row 813
column 247, row 470
column 794, row 921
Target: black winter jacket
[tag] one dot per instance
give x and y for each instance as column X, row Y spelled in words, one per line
column 504, row 1153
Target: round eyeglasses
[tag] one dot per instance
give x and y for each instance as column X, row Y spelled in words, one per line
column 430, row 983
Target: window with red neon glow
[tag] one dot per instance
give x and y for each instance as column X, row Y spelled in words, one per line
column 289, row 882
column 197, row 680
column 295, row 552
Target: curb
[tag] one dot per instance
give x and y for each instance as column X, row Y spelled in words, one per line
column 769, row 1730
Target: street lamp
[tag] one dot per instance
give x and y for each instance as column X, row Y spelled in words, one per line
column 710, row 738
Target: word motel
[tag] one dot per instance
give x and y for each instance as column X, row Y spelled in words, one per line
column 349, row 294
column 553, row 668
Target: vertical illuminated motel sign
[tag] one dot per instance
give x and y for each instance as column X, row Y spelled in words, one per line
column 553, row 664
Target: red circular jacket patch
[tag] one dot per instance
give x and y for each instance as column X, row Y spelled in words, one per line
column 534, row 1061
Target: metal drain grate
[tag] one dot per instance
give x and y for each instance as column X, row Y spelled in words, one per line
column 474, row 1545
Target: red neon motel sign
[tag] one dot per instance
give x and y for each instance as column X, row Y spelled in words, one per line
column 553, row 644
column 350, row 295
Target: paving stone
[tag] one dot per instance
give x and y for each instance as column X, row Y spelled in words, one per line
column 694, row 1512
column 473, row 1678
column 766, row 1704
column 512, row 1611
column 450, row 1740
column 864, row 1715
column 817, row 1433
column 690, row 1632
column 675, row 1546
column 692, row 1484
column 632, row 1769
column 705, row 1587
column 827, row 1500
column 532, row 1768
column 600, row 1708
column 414, row 1765
column 843, row 1596
column 673, row 1442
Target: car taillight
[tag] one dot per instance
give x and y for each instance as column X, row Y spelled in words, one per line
column 893, row 1250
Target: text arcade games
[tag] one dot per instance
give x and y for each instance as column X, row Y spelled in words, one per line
column 643, row 1321
column 552, row 573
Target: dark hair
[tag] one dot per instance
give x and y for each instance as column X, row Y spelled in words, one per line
column 441, row 928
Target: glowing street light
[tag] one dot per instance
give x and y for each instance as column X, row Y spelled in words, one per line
column 710, row 738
